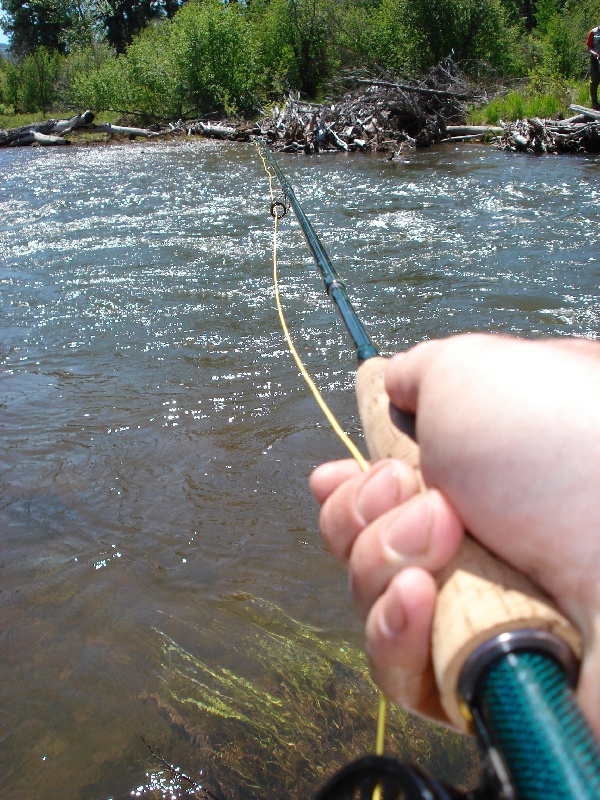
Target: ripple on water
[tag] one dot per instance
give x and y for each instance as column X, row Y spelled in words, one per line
column 156, row 436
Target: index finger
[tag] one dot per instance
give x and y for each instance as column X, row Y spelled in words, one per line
column 326, row 478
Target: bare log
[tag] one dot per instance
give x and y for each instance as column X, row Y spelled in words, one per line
column 16, row 137
column 472, row 130
column 340, row 143
column 588, row 112
column 574, row 120
column 551, row 136
column 221, row 131
column 51, row 131
column 64, row 125
column 36, row 137
column 520, row 140
column 42, row 132
column 45, row 139
column 469, row 138
column 108, row 127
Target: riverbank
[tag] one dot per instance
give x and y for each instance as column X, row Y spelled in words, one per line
column 376, row 116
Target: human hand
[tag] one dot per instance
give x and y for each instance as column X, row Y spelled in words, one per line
column 508, row 432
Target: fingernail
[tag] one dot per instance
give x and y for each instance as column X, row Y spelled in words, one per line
column 380, row 493
column 409, row 532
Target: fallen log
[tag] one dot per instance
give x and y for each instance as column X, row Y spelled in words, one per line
column 520, row 140
column 340, row 143
column 108, row 127
column 468, row 138
column 575, row 119
column 46, row 139
column 216, row 131
column 588, row 112
column 64, row 125
column 52, row 131
column 40, row 138
column 47, row 132
column 472, row 130
column 551, row 136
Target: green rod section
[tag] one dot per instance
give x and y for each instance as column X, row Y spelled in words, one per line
column 531, row 715
column 334, row 287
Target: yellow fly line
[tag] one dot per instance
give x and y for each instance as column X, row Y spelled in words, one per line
column 343, row 436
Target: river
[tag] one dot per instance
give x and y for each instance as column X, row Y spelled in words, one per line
column 161, row 573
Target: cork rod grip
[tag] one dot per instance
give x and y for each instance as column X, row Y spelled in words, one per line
column 480, row 596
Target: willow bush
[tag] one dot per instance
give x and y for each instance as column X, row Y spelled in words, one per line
column 214, row 57
column 32, row 85
column 149, row 81
column 566, row 34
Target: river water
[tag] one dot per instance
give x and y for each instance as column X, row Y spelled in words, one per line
column 161, row 573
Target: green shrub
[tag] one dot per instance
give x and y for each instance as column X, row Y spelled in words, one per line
column 274, row 54
column 213, row 56
column 149, row 80
column 297, row 44
column 76, row 69
column 32, row 84
column 410, row 36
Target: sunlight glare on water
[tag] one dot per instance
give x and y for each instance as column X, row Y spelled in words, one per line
column 156, row 436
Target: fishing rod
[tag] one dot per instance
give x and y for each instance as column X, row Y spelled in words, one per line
column 505, row 658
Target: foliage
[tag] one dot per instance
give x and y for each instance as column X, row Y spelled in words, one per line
column 32, row 86
column 464, row 28
column 273, row 50
column 76, row 69
column 35, row 23
column 381, row 37
column 144, row 81
column 123, row 20
column 295, row 43
column 65, row 25
column 559, row 40
column 410, row 36
column 213, row 55
column 520, row 105
column 160, row 59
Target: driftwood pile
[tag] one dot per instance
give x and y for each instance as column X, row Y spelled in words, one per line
column 383, row 116
column 578, row 134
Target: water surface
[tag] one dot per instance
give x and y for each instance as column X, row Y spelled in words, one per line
column 156, row 438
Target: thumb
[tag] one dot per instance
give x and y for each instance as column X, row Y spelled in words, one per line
column 404, row 374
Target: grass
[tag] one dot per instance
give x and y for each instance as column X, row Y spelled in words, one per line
column 530, row 103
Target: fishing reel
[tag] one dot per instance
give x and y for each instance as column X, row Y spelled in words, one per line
column 387, row 778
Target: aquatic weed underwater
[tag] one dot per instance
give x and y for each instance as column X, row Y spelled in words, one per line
column 309, row 708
